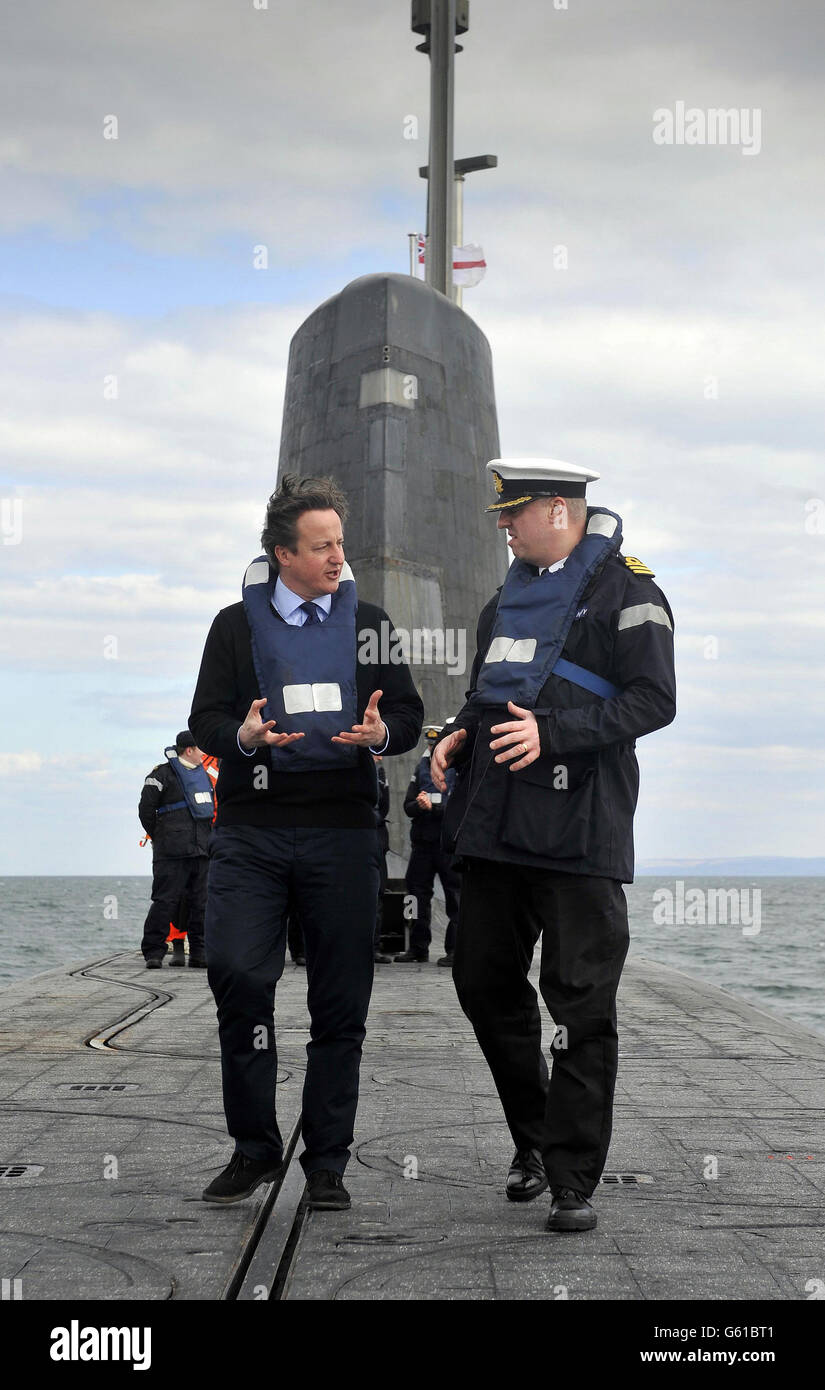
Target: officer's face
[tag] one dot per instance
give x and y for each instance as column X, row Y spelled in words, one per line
column 530, row 529
column 314, row 567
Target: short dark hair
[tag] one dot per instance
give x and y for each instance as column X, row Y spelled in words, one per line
column 293, row 496
column 185, row 739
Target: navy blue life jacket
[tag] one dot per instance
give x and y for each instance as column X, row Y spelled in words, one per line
column 534, row 616
column 426, row 783
column 196, row 785
column 307, row 674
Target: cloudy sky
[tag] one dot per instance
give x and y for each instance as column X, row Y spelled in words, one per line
column 142, row 354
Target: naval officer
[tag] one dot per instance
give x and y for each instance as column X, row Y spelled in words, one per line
column 574, row 663
column 293, row 700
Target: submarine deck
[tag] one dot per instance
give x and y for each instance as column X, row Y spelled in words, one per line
column 111, row 1124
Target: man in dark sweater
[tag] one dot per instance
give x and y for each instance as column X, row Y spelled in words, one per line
column 288, row 698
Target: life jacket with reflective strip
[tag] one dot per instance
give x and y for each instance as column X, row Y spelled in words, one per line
column 307, row 674
column 534, row 615
column 196, row 786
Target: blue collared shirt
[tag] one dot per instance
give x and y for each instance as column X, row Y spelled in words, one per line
column 288, row 604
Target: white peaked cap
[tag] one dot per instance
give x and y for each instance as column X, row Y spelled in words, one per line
column 521, row 480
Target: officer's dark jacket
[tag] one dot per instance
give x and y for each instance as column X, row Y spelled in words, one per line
column 176, row 834
column 572, row 808
column 227, row 685
column 426, row 825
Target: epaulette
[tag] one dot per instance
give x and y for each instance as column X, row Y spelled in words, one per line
column 637, row 566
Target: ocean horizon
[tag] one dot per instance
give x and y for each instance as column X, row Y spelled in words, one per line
column 761, row 938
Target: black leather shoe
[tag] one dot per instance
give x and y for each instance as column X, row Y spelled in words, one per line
column 412, row 957
column 154, row 962
column 526, row 1178
column 239, row 1179
column 326, row 1191
column 177, row 958
column 197, row 961
column 381, row 959
column 299, row 960
column 570, row 1211
column 446, row 960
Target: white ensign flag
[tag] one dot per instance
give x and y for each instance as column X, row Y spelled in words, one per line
column 469, row 265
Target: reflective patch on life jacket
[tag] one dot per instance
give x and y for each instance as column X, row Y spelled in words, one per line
column 301, row 699
column 511, row 649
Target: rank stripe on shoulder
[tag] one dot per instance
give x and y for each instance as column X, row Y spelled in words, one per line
column 637, row 566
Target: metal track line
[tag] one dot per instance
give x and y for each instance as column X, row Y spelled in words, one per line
column 101, row 1040
column 255, row 1273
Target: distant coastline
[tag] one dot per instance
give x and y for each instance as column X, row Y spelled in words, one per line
column 751, row 866
column 754, row 866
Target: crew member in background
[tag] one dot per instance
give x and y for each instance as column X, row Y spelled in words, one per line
column 425, row 805
column 574, row 663
column 178, row 928
column 381, row 812
column 293, row 698
column 176, row 810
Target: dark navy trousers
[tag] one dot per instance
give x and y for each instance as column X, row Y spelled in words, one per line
column 331, row 876
column 582, row 922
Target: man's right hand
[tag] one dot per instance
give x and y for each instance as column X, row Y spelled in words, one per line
column 254, row 733
column 443, row 755
column 423, row 801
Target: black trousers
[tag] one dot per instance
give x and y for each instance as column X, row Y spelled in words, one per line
column 332, row 878
column 174, row 882
column 582, row 922
column 425, row 862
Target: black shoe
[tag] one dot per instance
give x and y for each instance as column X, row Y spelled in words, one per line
column 570, row 1211
column 526, row 1178
column 299, row 960
column 239, row 1179
column 178, row 958
column 381, row 959
column 446, row 960
column 326, row 1191
column 411, row 957
column 197, row 960
column 154, row 962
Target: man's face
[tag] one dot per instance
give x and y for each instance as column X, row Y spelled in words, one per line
column 314, row 567
column 530, row 528
column 192, row 755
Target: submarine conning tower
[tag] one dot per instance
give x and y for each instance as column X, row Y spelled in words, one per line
column 390, row 391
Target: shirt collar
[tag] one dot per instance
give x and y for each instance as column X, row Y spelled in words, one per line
column 285, row 601
column 551, row 569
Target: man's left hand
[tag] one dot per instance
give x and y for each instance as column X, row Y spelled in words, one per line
column 372, row 733
column 520, row 739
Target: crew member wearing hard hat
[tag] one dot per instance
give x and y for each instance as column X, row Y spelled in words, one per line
column 574, row 663
column 425, row 805
column 176, row 810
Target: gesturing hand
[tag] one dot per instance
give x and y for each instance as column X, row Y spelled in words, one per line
column 254, row 733
column 521, row 738
column 372, row 733
column 443, row 754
